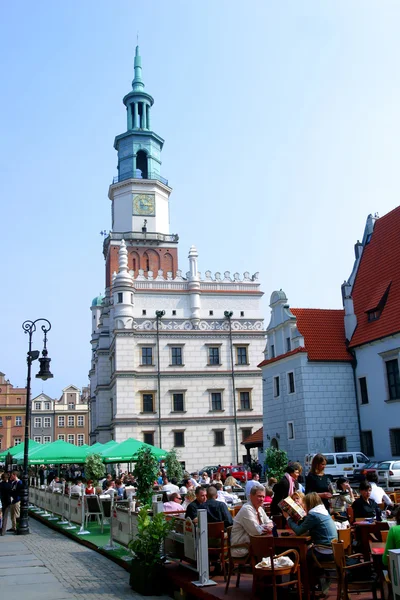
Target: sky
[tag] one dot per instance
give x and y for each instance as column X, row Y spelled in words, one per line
column 282, row 131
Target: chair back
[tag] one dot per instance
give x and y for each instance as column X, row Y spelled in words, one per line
column 384, row 535
column 93, row 505
column 344, row 535
column 278, row 520
column 216, row 534
column 350, row 514
column 106, row 506
column 338, row 554
column 264, row 547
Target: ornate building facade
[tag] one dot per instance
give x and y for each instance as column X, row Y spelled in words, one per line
column 174, row 355
column 12, row 413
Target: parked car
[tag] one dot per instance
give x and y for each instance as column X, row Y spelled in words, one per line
column 238, row 472
column 339, row 464
column 360, row 473
column 209, row 470
column 389, row 473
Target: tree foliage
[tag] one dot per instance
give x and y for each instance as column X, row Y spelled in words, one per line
column 173, row 466
column 276, row 462
column 145, row 471
column 94, row 467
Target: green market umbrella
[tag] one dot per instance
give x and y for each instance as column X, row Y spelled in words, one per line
column 19, row 449
column 97, row 448
column 58, row 453
column 126, row 451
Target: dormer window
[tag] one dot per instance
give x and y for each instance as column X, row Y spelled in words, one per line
column 378, row 301
column 374, row 315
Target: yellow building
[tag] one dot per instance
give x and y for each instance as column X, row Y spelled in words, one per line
column 12, row 413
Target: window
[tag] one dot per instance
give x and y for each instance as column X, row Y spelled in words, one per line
column 1, row 421
column 211, row 312
column 340, row 444
column 393, row 379
column 148, row 437
column 288, row 344
column 144, row 313
column 17, row 441
column 330, row 459
column 242, row 313
column 47, row 422
column 395, row 441
column 61, row 436
column 174, row 313
column 71, row 438
column 38, row 439
column 244, row 399
column 290, row 377
column 344, row 459
column 373, row 315
column 46, row 439
column 179, row 439
column 80, row 439
column 47, row 406
column 81, row 422
column 272, row 351
column 176, row 355
column 219, row 437
column 216, row 401
column 148, row 403
column 147, row 355
column 246, row 432
column 276, row 386
column 18, row 421
column 38, row 422
column 213, row 356
column 290, row 430
column 120, row 297
column 71, row 421
column 71, row 406
column 241, row 355
column 38, row 405
column 363, row 390
column 177, row 402
column 61, row 421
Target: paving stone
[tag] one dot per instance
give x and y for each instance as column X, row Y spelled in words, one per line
column 23, row 570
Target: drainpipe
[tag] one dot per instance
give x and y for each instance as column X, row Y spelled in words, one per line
column 228, row 315
column 354, row 366
column 159, row 315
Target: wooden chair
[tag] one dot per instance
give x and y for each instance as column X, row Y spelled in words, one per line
column 235, row 563
column 350, row 514
column 235, row 510
column 279, row 521
column 384, row 534
column 263, row 547
column 327, row 567
column 344, row 535
column 345, row 586
column 216, row 544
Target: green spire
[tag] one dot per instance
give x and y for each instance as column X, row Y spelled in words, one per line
column 137, row 83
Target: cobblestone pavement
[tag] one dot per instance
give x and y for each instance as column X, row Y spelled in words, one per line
column 47, row 559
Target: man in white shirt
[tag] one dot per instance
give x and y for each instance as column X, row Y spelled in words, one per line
column 250, row 483
column 169, row 487
column 223, row 496
column 77, row 488
column 250, row 520
column 377, row 493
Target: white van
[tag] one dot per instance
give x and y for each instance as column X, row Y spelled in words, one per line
column 338, row 464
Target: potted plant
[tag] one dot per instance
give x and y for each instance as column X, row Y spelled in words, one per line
column 94, row 468
column 146, row 576
column 145, row 471
column 173, row 466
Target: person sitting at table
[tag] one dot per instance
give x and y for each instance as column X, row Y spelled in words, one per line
column 186, row 486
column 269, row 494
column 205, row 478
column 174, row 503
column 286, row 486
column 377, row 493
column 340, row 503
column 89, row 488
column 231, row 481
column 317, row 481
column 298, row 497
column 217, row 511
column 169, row 487
column 189, row 497
column 192, row 508
column 319, row 525
column 272, row 481
column 216, row 477
column 393, row 538
column 250, row 483
column 364, row 507
column 250, row 520
column 222, row 495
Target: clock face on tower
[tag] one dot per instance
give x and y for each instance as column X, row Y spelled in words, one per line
column 144, row 204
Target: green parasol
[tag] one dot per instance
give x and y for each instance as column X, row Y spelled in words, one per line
column 57, row 453
column 19, row 449
column 126, row 451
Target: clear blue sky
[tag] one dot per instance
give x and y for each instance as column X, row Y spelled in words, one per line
column 282, row 128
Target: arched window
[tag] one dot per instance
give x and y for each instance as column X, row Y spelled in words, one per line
column 141, row 163
column 274, row 444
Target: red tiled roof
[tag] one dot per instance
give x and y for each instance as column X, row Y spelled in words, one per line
column 272, row 360
column 379, row 265
column 323, row 332
column 254, row 438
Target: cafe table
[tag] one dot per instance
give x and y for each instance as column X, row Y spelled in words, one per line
column 364, row 528
column 301, row 544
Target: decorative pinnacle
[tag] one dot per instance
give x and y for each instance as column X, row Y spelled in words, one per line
column 137, row 83
column 123, row 258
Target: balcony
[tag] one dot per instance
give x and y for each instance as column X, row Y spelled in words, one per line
column 138, row 175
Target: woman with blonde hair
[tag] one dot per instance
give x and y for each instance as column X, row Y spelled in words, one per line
column 189, row 497
column 230, row 481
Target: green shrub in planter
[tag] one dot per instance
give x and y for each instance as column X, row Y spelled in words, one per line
column 146, row 567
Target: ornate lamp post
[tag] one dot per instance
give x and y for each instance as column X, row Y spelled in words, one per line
column 228, row 314
column 44, row 373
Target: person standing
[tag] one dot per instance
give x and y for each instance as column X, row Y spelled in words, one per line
column 16, row 491
column 317, row 481
column 5, row 497
column 286, row 486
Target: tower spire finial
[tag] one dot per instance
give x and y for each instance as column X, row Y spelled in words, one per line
column 137, row 83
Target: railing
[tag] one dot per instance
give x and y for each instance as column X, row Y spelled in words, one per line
column 141, row 235
column 138, row 175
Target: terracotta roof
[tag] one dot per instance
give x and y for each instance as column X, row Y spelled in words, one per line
column 254, row 438
column 323, row 332
column 379, row 265
column 272, row 360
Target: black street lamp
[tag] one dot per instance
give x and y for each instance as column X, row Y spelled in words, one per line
column 228, row 314
column 44, row 373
